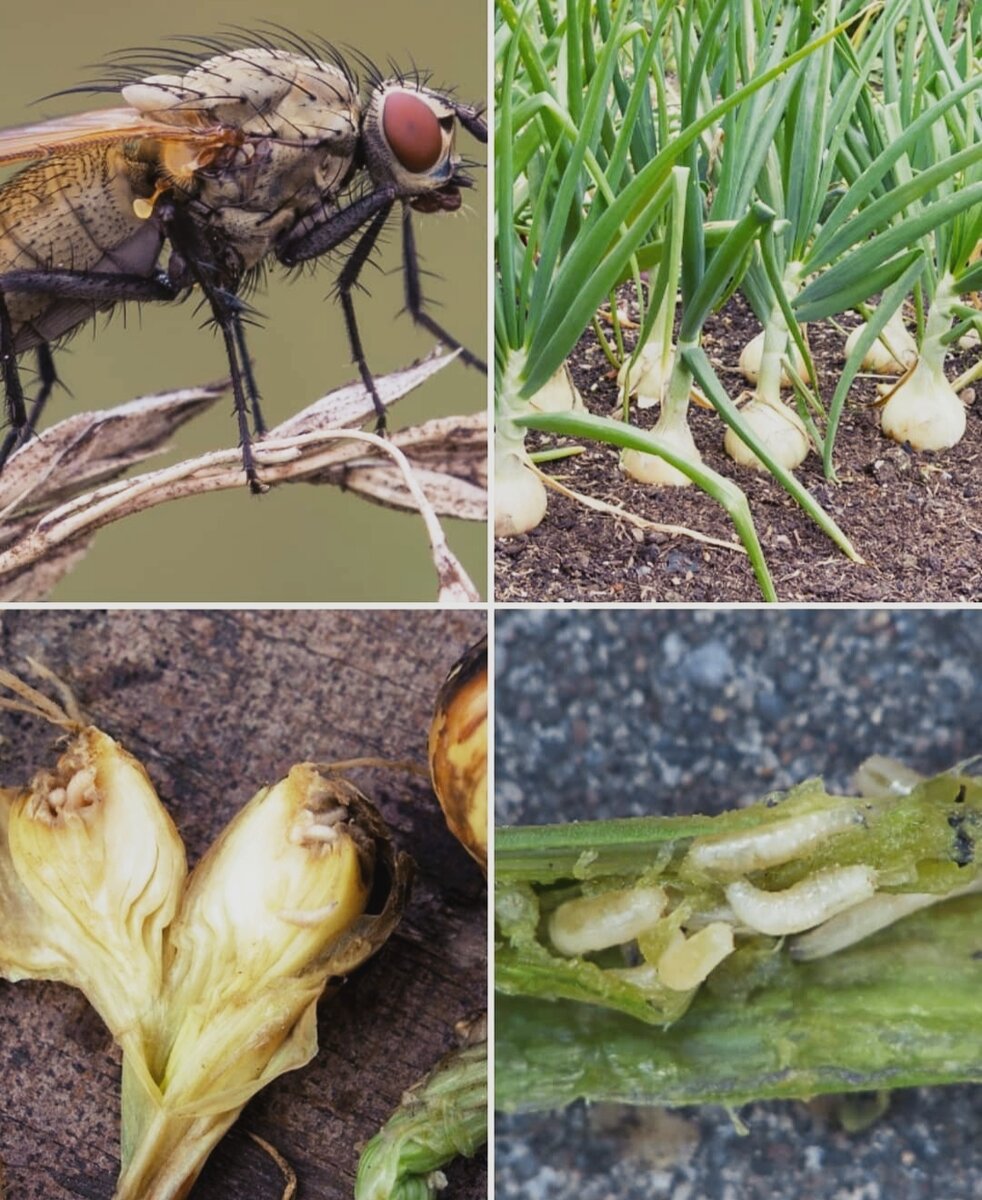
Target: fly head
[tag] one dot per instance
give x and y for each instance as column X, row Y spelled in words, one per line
column 409, row 143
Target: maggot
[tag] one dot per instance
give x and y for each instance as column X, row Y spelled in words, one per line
column 808, row 903
column 591, row 923
column 778, row 842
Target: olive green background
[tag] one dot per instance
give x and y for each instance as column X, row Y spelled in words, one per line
column 299, row 543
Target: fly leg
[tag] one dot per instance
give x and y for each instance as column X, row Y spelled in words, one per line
column 194, row 262
column 102, row 288
column 346, row 283
column 312, row 238
column 48, row 377
column 12, row 387
column 316, row 234
column 227, row 310
column 414, row 295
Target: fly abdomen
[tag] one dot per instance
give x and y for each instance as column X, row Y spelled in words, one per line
column 70, row 213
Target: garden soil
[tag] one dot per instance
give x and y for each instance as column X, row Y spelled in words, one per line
column 916, row 519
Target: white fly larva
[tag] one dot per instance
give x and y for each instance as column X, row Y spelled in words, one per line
column 591, row 923
column 868, row 918
column 806, row 904
column 686, row 962
column 770, row 845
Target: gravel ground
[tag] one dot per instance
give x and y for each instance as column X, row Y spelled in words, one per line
column 602, row 714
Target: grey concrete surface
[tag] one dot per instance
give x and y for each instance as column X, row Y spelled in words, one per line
column 602, row 714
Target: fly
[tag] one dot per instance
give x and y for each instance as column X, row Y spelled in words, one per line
column 237, row 158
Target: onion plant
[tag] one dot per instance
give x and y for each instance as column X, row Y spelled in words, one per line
column 837, row 249
column 924, row 409
column 808, row 943
column 589, row 212
column 819, row 157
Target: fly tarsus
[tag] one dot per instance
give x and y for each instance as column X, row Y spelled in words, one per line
column 414, row 297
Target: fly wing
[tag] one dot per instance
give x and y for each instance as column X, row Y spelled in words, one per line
column 30, row 142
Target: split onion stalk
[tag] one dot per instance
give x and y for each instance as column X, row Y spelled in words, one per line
column 458, row 750
column 209, row 983
column 695, row 923
column 442, row 1116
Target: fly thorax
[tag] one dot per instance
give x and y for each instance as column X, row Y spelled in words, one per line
column 302, row 103
column 295, row 122
column 408, row 137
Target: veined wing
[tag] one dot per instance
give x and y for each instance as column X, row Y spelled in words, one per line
column 30, row 142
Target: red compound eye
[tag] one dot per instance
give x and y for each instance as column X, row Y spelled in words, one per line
column 412, row 130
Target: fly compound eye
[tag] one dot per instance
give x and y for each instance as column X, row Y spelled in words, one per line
column 412, row 131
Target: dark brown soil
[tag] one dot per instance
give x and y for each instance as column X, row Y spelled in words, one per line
column 916, row 519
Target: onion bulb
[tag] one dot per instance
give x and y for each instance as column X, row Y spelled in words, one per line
column 673, row 430
column 780, row 429
column 879, row 358
column 753, row 353
column 924, row 410
column 519, row 496
column 558, row 394
column 647, row 377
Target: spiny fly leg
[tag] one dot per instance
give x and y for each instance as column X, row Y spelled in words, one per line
column 47, row 378
column 100, row 287
column 414, row 295
column 194, row 261
column 258, row 421
column 325, row 230
column 12, row 387
column 347, row 280
column 227, row 311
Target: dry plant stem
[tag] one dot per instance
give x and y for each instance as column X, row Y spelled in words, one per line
column 279, row 460
column 289, row 1175
column 36, row 704
column 632, row 518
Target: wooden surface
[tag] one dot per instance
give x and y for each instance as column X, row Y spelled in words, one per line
column 215, row 705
